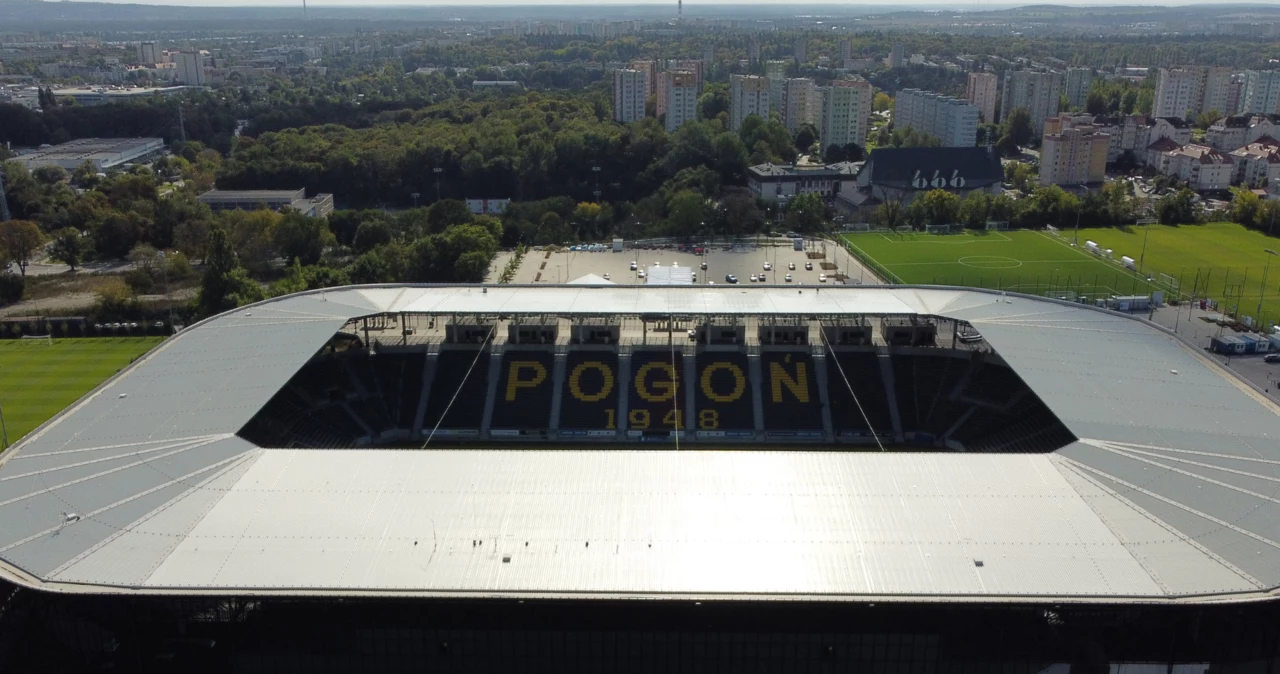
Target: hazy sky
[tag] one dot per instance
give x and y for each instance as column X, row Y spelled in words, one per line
column 800, row 5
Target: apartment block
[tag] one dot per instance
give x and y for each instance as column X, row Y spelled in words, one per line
column 629, row 94
column 1203, row 167
column 147, row 53
column 846, row 50
column 1078, row 83
column 1257, row 163
column 1187, row 92
column 897, row 56
column 846, row 109
column 190, row 69
column 748, row 95
column 950, row 120
column 1038, row 92
column 682, row 98
column 1229, row 133
column 982, row 93
column 650, row 70
column 1261, row 92
column 801, row 50
column 800, row 103
column 1073, row 156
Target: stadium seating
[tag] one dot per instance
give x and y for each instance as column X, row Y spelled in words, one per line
column 962, row 400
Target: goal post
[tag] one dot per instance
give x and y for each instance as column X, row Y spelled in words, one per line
column 904, row 229
column 1169, row 282
column 47, row 340
column 997, row 225
column 1053, row 230
column 937, row 229
column 858, row 227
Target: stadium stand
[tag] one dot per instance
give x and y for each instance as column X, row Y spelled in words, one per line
column 917, row 397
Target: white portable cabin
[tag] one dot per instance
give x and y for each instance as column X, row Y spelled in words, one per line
column 1128, row 262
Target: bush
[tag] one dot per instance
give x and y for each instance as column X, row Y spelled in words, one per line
column 11, row 287
column 139, row 281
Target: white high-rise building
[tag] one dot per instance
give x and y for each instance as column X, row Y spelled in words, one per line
column 952, row 121
column 1261, row 92
column 897, row 56
column 682, row 98
column 801, row 50
column 147, row 53
column 846, row 107
column 629, row 89
column 1039, row 93
column 1187, row 92
column 748, row 95
column 982, row 93
column 1079, row 82
column 800, row 103
column 776, row 72
column 190, row 68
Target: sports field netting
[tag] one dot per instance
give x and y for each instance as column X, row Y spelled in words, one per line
column 38, row 380
column 1221, row 261
column 1022, row 261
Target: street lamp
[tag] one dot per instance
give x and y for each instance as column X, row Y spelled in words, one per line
column 415, row 195
column 1079, row 210
column 596, row 170
column 1146, row 232
column 437, row 171
column 1263, row 291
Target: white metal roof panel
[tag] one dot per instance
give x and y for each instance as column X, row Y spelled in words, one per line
column 1172, row 490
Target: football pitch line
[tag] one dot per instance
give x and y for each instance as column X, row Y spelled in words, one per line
column 963, row 264
column 915, row 238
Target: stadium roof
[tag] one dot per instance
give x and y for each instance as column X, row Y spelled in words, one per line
column 1172, row 492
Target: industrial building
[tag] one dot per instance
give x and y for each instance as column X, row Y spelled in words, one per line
column 842, row 484
column 277, row 200
column 102, row 95
column 103, row 153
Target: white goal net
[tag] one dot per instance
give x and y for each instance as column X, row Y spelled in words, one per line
column 1168, row 281
column 44, row 339
column 858, row 227
column 1053, row 230
column 937, row 229
column 903, row 229
column 997, row 225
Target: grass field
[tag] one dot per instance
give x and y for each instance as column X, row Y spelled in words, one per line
column 1021, row 261
column 1223, row 261
column 38, row 380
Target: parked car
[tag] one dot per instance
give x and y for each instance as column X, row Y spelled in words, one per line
column 822, row 278
column 640, row 274
column 633, row 265
column 768, row 267
column 808, row 266
column 1271, row 358
column 704, row 266
column 791, row 266
column 788, row 278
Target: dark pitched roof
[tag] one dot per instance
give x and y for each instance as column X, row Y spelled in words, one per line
column 1234, row 122
column 1175, row 122
column 904, row 167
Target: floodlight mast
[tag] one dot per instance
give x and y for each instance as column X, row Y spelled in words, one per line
column 4, row 201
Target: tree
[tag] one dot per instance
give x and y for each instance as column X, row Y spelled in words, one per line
column 302, row 238
column 889, row 214
column 714, row 101
column 1178, row 208
column 370, row 234
column 806, row 136
column 688, row 213
column 940, row 207
column 806, row 213
column 446, row 213
column 225, row 284
column 22, row 241
column 1206, row 119
column 975, row 209
column 67, row 247
column 881, row 102
column 1017, row 130
column 1096, row 104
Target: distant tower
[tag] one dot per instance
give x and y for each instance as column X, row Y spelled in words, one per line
column 680, row 10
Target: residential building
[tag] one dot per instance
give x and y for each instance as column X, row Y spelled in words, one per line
column 800, row 103
column 1203, row 167
column 629, row 89
column 952, row 121
column 801, row 50
column 249, row 200
column 775, row 69
column 660, row 106
column 753, row 50
column 190, row 69
column 147, row 53
column 1257, row 163
column 846, row 50
column 1038, row 92
column 1187, row 92
column 1229, row 133
column 692, row 66
column 898, row 56
column 682, row 98
column 1261, row 92
column 982, row 93
column 1073, row 156
column 650, row 70
column 846, row 109
column 778, row 182
column 1078, row 83
column 748, row 95
column 776, row 72
column 1235, row 95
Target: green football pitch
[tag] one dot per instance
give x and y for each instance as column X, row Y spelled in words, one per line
column 1222, row 261
column 1022, row 261
column 38, row 378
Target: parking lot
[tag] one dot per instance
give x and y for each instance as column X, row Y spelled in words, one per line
column 743, row 261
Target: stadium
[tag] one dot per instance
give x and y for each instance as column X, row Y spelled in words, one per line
column 588, row 477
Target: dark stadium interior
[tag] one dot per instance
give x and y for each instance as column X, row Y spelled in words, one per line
column 224, row 634
column 910, row 392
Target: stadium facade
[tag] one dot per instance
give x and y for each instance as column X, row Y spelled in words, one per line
column 466, row 476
